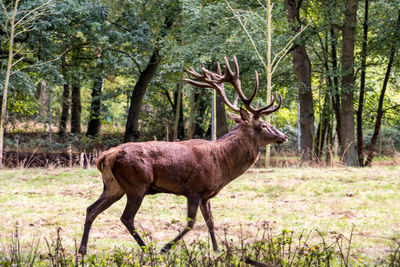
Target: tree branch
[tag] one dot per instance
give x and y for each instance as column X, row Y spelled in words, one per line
column 392, row 107
column 31, row 12
column 128, row 55
column 41, row 64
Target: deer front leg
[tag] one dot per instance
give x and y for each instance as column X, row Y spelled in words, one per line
column 193, row 205
column 205, row 208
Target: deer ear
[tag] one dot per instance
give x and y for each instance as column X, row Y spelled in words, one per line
column 235, row 118
column 244, row 114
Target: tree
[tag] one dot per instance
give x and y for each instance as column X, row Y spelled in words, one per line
column 347, row 146
column 222, row 125
column 302, row 68
column 18, row 23
column 94, row 113
column 132, row 124
column 270, row 64
column 65, row 100
column 379, row 113
column 360, row 145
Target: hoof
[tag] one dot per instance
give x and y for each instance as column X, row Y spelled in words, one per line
column 82, row 250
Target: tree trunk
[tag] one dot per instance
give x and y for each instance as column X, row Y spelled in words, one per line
column 42, row 97
column 222, row 125
column 335, row 85
column 302, row 68
column 179, row 128
column 192, row 113
column 200, row 108
column 6, row 81
column 347, row 147
column 95, row 105
column 360, row 145
column 65, row 104
column 64, row 111
column 178, row 122
column 76, row 107
column 379, row 114
column 132, row 124
column 322, row 128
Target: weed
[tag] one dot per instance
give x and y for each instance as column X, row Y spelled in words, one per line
column 267, row 249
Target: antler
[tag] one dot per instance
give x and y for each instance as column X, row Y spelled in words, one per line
column 216, row 80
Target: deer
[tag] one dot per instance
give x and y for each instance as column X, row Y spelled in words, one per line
column 197, row 169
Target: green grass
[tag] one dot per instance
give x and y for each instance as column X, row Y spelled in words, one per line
column 330, row 200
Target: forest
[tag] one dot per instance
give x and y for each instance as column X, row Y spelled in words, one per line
column 79, row 75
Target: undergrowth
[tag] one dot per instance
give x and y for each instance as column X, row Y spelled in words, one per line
column 266, row 249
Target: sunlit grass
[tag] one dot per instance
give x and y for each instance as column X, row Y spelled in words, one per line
column 330, row 200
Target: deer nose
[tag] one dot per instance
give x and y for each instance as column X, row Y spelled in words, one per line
column 283, row 139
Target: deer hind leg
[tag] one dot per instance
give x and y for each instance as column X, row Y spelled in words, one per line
column 132, row 206
column 110, row 195
column 193, row 205
column 205, row 208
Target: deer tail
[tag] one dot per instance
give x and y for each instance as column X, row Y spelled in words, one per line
column 106, row 159
column 100, row 162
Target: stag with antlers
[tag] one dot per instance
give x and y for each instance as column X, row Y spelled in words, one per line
column 196, row 169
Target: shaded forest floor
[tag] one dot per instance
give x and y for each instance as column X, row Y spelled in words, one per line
column 338, row 202
column 32, row 149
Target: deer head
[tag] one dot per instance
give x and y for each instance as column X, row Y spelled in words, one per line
column 250, row 119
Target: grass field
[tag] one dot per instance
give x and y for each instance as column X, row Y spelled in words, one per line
column 334, row 201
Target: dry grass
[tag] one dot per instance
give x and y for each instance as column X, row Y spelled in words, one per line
column 331, row 200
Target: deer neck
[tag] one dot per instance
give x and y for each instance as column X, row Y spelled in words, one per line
column 237, row 151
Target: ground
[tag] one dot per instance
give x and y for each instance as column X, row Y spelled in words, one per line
column 331, row 200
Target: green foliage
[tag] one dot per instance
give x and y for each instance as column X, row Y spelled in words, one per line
column 121, row 35
column 389, row 140
column 284, row 249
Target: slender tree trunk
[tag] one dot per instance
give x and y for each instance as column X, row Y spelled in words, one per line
column 222, row 125
column 7, row 81
column 65, row 102
column 191, row 115
column 329, row 142
column 41, row 90
column 379, row 113
column 347, row 147
column 76, row 108
column 335, row 86
column 178, row 128
column 302, row 68
column 201, row 106
column 41, row 95
column 322, row 127
column 360, row 145
column 95, row 105
column 64, row 110
column 335, row 99
column 178, row 109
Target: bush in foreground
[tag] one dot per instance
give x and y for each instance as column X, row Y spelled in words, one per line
column 266, row 250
